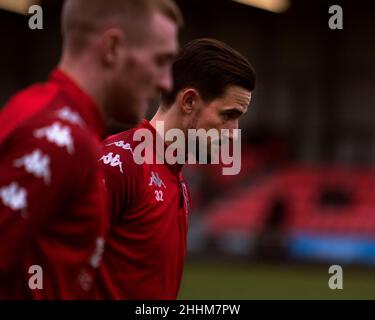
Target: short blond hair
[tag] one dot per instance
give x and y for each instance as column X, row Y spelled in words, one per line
column 82, row 17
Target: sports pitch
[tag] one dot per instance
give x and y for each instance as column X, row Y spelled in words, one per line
column 247, row 281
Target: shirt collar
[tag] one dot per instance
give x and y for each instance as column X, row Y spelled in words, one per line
column 83, row 103
column 175, row 168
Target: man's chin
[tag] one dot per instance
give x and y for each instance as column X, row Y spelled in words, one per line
column 137, row 116
column 116, row 126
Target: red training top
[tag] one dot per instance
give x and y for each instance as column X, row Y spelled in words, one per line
column 146, row 246
column 53, row 213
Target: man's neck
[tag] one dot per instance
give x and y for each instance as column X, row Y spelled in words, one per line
column 170, row 121
column 85, row 78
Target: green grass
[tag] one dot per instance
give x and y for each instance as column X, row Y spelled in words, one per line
column 224, row 280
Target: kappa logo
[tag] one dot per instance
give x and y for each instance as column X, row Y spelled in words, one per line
column 14, row 196
column 113, row 161
column 71, row 116
column 57, row 134
column 121, row 144
column 98, row 253
column 85, row 280
column 36, row 164
column 155, row 180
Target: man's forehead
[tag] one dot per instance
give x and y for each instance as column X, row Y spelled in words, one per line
column 239, row 96
column 162, row 29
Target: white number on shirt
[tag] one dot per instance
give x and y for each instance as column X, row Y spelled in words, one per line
column 159, row 195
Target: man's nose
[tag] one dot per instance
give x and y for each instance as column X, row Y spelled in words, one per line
column 165, row 83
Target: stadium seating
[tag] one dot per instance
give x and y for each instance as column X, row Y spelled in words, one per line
column 319, row 199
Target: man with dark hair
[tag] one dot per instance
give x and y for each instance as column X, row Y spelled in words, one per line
column 209, row 66
column 149, row 203
column 117, row 54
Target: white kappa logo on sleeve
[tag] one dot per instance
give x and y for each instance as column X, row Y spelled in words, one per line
column 14, row 196
column 121, row 144
column 71, row 116
column 57, row 134
column 113, row 161
column 36, row 164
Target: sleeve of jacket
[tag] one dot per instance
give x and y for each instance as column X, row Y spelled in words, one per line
column 122, row 177
column 43, row 168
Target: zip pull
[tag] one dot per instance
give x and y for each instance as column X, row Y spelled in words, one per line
column 181, row 193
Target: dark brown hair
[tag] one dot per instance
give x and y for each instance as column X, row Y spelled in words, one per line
column 209, row 66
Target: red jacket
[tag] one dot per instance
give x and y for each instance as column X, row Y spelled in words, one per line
column 146, row 247
column 52, row 208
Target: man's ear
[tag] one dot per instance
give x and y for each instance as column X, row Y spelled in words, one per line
column 111, row 46
column 189, row 99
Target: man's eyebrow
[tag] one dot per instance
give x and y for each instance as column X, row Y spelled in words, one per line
column 235, row 110
column 171, row 54
column 167, row 56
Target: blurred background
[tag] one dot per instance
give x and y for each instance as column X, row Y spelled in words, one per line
column 305, row 197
